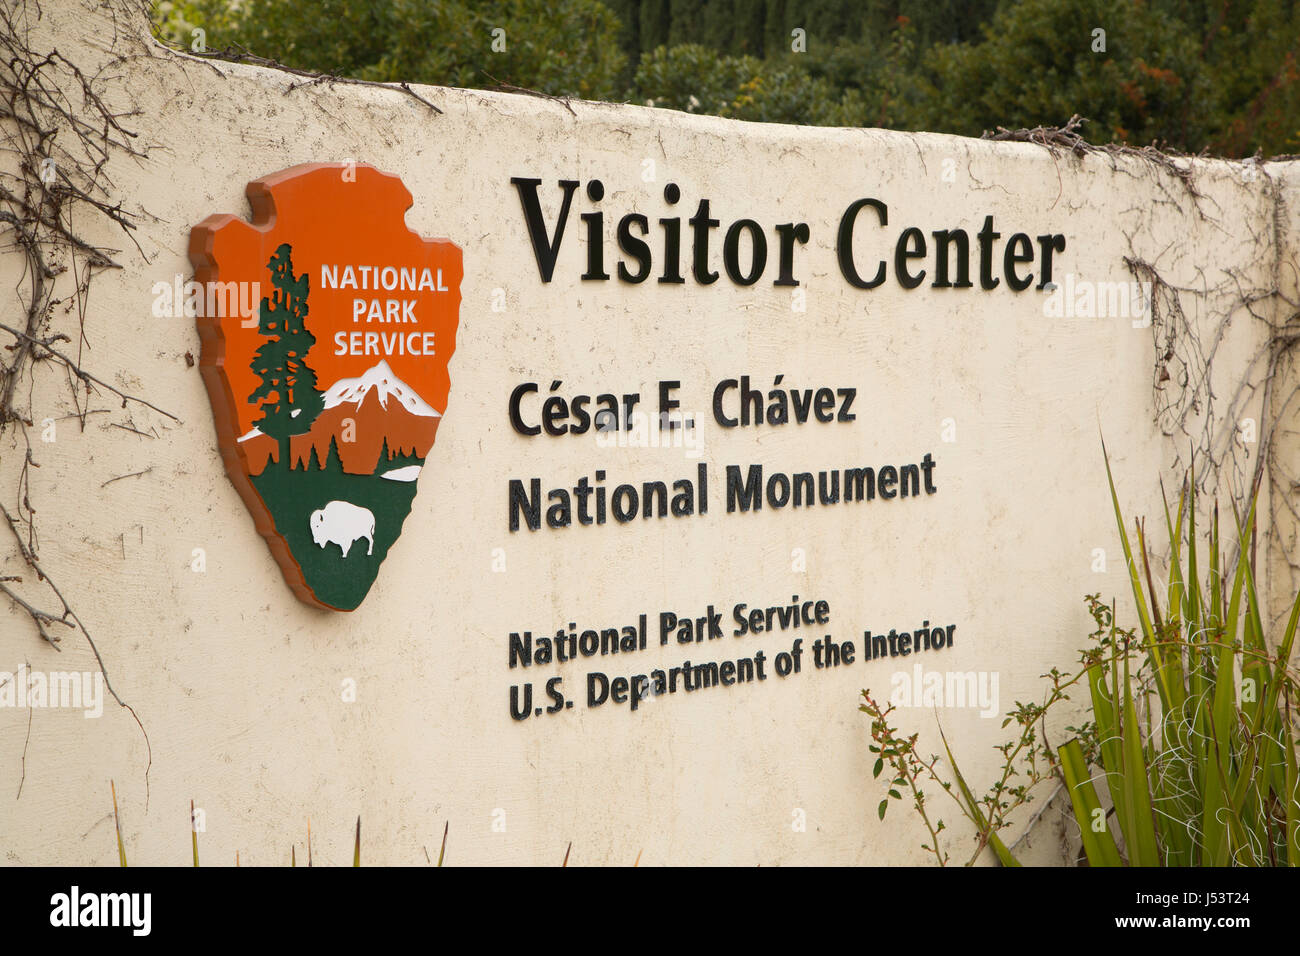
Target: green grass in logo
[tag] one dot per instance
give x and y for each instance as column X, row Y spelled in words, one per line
column 292, row 496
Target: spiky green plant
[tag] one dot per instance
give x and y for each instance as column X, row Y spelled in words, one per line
column 1198, row 753
column 1192, row 741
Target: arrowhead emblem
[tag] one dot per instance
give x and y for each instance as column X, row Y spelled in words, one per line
column 327, row 325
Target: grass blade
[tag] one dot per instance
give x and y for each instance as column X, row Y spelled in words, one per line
column 1104, row 695
column 1168, row 693
column 1137, row 824
column 1100, row 846
column 1292, row 797
column 1003, row 854
column 117, row 822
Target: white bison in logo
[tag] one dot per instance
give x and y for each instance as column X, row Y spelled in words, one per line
column 343, row 523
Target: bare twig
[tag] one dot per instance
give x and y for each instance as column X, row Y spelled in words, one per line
column 54, row 119
column 1068, row 138
column 511, row 88
column 27, row 740
column 237, row 54
column 78, row 371
column 134, row 474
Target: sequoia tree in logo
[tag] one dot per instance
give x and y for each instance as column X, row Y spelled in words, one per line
column 288, row 395
column 351, row 297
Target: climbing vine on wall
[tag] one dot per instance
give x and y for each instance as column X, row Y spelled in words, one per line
column 57, row 137
column 1232, row 453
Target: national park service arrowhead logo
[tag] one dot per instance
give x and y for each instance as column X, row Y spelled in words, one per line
column 328, row 394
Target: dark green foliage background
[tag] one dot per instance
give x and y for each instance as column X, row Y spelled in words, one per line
column 1221, row 75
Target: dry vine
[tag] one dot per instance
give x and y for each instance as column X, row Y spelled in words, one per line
column 57, row 136
column 237, row 54
column 1185, row 346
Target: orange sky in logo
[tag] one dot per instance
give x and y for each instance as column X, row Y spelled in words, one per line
column 336, row 215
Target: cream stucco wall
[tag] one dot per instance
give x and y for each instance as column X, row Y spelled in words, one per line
column 239, row 685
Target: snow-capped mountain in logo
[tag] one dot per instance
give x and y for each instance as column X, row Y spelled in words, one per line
column 361, row 416
column 385, row 384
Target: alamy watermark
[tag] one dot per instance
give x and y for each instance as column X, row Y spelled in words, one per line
column 180, row 299
column 1085, row 299
column 126, row 910
column 673, row 429
column 83, row 690
column 948, row 689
